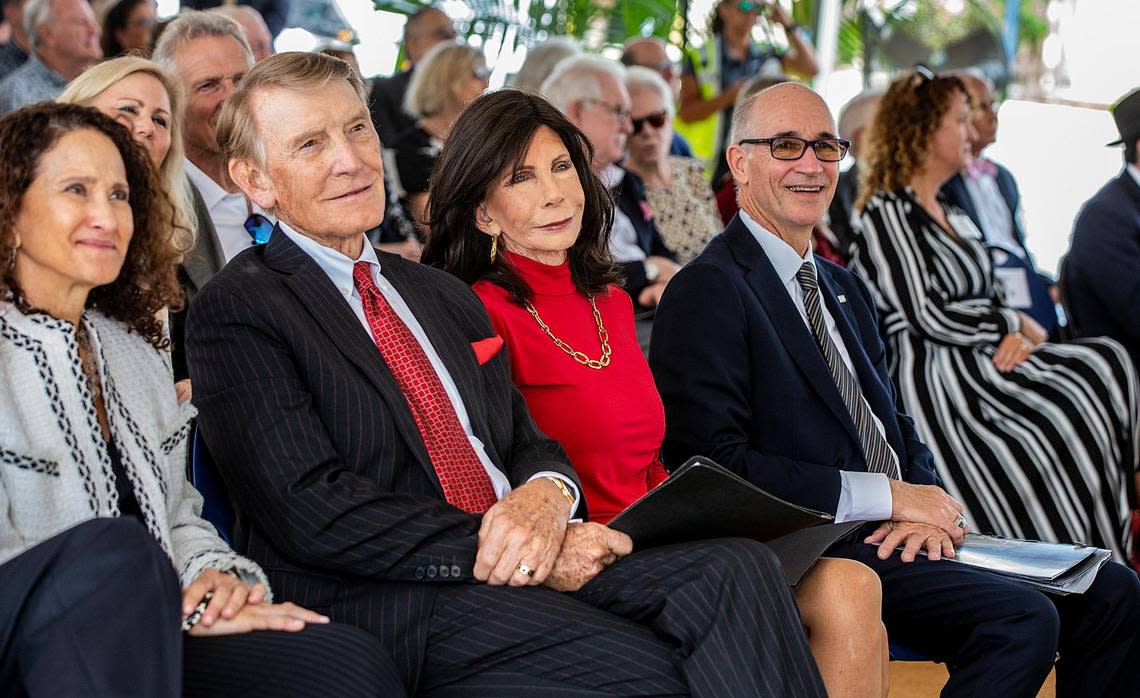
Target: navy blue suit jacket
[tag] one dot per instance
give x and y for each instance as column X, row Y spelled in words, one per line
column 1102, row 269
column 629, row 197
column 745, row 384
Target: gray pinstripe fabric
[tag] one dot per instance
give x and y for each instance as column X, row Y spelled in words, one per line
column 338, row 502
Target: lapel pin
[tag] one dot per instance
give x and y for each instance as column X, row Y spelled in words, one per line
column 842, row 298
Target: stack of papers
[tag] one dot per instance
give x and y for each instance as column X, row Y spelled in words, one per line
column 1056, row 568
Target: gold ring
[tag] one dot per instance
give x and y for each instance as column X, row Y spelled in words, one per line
column 525, row 570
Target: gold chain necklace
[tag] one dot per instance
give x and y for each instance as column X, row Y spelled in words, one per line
column 580, row 357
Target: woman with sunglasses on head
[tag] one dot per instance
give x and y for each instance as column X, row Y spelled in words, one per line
column 518, row 213
column 675, row 187
column 1038, row 440
column 103, row 547
column 450, row 76
column 712, row 76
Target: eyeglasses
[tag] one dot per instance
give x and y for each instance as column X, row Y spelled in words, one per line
column 619, row 112
column 656, row 120
column 259, row 228
column 793, row 148
column 922, row 75
column 481, row 72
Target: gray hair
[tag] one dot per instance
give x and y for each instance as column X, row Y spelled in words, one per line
column 36, row 14
column 541, row 60
column 858, row 112
column 576, row 79
column 432, row 87
column 195, row 24
column 742, row 111
column 639, row 78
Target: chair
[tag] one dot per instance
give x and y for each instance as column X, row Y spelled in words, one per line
column 905, row 654
column 1041, row 307
column 204, row 475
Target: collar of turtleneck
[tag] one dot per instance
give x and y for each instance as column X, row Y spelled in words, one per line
column 544, row 279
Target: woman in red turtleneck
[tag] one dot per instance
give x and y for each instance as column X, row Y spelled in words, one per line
column 531, row 233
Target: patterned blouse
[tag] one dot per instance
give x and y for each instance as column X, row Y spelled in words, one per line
column 685, row 213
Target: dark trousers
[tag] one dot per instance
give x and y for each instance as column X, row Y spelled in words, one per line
column 1000, row 638
column 710, row 619
column 92, row 611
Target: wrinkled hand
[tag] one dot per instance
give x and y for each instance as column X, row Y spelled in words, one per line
column 527, row 526
column 230, row 596
column 1032, row 330
column 587, row 550
column 926, row 504
column 914, row 537
column 183, row 391
column 267, row 616
column 650, row 296
column 1012, row 351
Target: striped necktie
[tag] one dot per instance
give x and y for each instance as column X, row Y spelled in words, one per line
column 878, row 454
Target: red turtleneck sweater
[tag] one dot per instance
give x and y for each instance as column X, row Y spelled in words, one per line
column 609, row 420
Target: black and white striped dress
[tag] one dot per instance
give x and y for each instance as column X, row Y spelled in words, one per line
column 1047, row 451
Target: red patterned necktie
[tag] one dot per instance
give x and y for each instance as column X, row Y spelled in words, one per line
column 465, row 481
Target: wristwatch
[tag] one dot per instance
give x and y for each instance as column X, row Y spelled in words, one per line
column 652, row 271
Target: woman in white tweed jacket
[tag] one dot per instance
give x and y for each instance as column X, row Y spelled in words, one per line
column 93, row 443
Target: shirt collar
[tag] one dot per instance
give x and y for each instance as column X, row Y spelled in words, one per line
column 1135, row 172
column 337, row 266
column 47, row 74
column 212, row 192
column 783, row 258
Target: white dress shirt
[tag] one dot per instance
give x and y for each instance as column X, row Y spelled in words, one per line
column 623, row 237
column 862, row 496
column 227, row 211
column 339, row 268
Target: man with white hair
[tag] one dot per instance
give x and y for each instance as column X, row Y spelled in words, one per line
column 64, row 38
column 256, row 31
column 385, row 468
column 590, row 91
column 854, row 118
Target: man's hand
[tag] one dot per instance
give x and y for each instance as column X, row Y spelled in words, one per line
column 650, row 296
column 666, row 269
column 268, row 616
column 230, row 596
column 525, row 527
column 928, row 504
column 183, row 390
column 587, row 550
column 914, row 537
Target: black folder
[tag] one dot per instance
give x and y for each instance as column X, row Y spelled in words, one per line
column 702, row 500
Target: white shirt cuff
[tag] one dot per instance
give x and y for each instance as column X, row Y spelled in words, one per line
column 863, row 497
column 569, row 483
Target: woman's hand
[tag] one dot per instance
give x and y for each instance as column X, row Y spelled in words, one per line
column 231, row 595
column 1032, row 329
column 1012, row 351
column 268, row 616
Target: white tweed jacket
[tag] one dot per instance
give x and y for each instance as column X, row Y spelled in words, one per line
column 55, row 470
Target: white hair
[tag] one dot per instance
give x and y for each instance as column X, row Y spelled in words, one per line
column 576, row 79
column 857, row 113
column 638, row 78
column 36, row 14
column 541, row 60
column 195, row 24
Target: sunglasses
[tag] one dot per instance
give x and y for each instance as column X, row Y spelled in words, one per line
column 656, row 120
column 746, row 6
column 259, row 228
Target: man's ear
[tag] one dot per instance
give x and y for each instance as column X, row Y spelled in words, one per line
column 737, row 163
column 485, row 223
column 253, row 182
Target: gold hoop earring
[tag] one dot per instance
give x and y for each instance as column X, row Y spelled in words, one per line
column 494, row 247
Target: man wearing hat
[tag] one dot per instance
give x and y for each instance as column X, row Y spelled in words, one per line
column 1101, row 275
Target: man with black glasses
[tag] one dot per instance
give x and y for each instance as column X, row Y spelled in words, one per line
column 769, row 361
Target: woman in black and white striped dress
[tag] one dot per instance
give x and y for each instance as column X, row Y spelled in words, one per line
column 1038, row 440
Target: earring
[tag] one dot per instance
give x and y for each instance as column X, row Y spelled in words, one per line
column 494, row 247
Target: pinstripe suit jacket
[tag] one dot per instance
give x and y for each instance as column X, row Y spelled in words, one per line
column 331, row 480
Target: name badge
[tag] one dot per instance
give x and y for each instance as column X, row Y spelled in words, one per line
column 842, row 298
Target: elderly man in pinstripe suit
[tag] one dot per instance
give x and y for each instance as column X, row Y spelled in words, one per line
column 386, row 471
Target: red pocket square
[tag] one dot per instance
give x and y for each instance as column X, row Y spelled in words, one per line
column 487, row 348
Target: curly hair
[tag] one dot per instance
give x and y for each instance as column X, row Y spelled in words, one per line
column 899, row 136
column 147, row 281
column 490, row 137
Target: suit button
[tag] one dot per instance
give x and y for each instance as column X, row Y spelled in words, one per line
column 444, row 571
column 455, row 571
column 420, row 572
column 432, row 571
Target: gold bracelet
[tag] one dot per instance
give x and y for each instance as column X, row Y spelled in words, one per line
column 562, row 487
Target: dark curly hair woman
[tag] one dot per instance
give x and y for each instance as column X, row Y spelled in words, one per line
column 102, row 547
